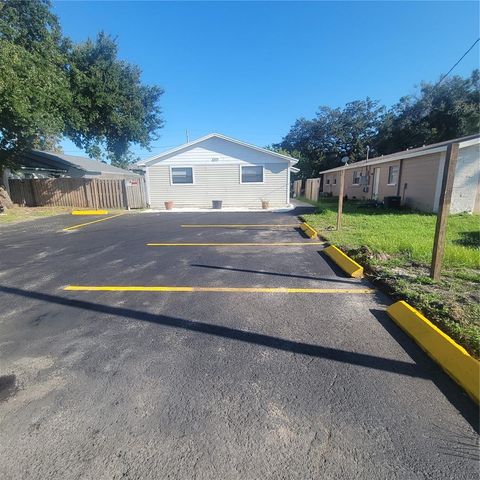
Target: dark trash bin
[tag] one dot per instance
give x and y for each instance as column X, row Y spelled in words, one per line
column 217, row 204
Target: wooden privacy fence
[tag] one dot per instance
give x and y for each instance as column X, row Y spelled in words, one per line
column 79, row 192
column 297, row 188
column 312, row 189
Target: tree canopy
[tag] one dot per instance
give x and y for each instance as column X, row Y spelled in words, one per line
column 333, row 134
column 436, row 113
column 51, row 87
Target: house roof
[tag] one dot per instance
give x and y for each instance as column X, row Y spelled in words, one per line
column 154, row 159
column 414, row 152
column 59, row 160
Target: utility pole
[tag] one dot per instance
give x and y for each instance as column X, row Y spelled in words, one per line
column 443, row 210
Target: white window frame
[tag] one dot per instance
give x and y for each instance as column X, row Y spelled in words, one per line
column 334, row 180
column 181, row 184
column 398, row 173
column 327, row 181
column 252, row 183
column 356, row 176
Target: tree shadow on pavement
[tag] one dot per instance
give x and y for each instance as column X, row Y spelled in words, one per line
column 422, row 368
column 263, row 272
column 334, row 354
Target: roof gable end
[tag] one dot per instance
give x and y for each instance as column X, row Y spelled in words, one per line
column 207, row 139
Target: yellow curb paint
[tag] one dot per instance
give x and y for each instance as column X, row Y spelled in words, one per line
column 120, row 288
column 90, row 212
column 309, row 230
column 246, row 244
column 348, row 265
column 453, row 358
column 247, row 225
column 74, row 227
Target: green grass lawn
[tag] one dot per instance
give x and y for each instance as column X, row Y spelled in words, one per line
column 396, row 247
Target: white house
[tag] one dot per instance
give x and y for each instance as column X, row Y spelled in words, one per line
column 216, row 167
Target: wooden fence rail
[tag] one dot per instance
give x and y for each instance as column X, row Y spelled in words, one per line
column 79, row 192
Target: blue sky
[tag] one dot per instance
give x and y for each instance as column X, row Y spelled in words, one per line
column 250, row 69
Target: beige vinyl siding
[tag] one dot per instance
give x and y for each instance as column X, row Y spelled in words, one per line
column 357, row 191
column 384, row 189
column 219, row 182
column 418, row 181
column 331, row 187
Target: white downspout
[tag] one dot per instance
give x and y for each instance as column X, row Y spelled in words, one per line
column 147, row 187
column 288, row 185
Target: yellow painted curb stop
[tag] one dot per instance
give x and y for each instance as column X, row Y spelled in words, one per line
column 453, row 358
column 89, row 212
column 348, row 265
column 309, row 231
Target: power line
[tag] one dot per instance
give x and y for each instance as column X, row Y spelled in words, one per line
column 461, row 58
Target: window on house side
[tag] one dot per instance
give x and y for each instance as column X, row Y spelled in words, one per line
column 328, row 181
column 335, row 180
column 356, row 178
column 393, row 175
column 252, row 174
column 182, row 175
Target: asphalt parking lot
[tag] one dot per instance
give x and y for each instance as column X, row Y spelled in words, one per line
column 267, row 362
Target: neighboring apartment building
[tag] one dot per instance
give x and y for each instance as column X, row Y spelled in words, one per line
column 415, row 176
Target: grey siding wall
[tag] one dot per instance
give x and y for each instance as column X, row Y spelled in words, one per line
column 219, row 182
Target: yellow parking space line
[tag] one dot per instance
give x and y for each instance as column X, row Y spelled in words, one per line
column 245, row 244
column 246, row 225
column 147, row 288
column 74, row 227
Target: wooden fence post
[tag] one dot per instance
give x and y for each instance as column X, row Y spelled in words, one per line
column 34, row 193
column 87, row 187
column 340, row 199
column 94, row 190
column 444, row 210
column 124, row 194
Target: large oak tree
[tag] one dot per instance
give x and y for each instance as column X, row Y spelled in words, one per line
column 52, row 88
